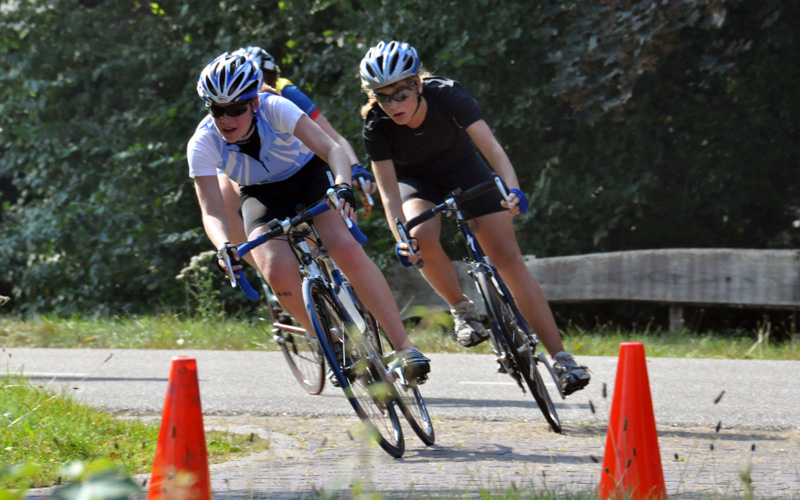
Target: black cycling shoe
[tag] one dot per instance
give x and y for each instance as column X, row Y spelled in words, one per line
column 571, row 376
column 415, row 366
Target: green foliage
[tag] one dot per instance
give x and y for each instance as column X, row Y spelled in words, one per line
column 631, row 125
column 15, row 480
column 39, row 422
column 102, row 479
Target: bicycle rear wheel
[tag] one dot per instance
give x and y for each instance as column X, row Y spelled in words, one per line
column 411, row 403
column 518, row 337
column 304, row 357
column 362, row 376
column 300, row 348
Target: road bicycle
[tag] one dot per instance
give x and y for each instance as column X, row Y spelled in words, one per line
column 346, row 336
column 513, row 339
column 298, row 346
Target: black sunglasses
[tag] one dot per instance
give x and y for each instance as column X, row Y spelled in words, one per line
column 232, row 111
column 398, row 95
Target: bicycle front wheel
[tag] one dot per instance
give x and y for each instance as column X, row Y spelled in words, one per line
column 410, row 400
column 361, row 376
column 517, row 335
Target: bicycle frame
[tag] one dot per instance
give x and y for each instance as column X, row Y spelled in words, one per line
column 478, row 262
column 489, row 283
column 339, row 328
column 314, row 261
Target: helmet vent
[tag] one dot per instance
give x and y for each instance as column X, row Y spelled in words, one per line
column 237, row 81
column 392, row 62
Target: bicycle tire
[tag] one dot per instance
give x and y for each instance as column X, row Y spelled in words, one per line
column 516, row 334
column 361, row 377
column 300, row 348
column 304, row 358
column 412, row 405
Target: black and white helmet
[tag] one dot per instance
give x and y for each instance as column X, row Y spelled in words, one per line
column 387, row 63
column 263, row 58
column 229, row 78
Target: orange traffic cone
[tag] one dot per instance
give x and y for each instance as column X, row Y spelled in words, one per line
column 632, row 462
column 180, row 468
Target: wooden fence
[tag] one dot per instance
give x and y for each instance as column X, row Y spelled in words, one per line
column 677, row 277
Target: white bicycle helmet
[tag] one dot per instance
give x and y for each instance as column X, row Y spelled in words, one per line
column 388, row 63
column 263, row 58
column 229, row 78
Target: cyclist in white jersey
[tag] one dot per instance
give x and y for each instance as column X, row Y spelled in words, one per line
column 426, row 136
column 280, row 158
column 273, row 82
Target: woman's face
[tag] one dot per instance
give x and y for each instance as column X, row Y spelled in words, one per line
column 233, row 120
column 398, row 100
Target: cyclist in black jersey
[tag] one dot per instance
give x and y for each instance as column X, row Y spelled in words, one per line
column 426, row 136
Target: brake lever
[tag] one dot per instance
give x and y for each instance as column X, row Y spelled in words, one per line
column 334, row 200
column 361, row 183
column 500, row 187
column 401, row 230
column 229, row 267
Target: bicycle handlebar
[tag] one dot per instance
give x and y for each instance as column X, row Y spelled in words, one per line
column 456, row 197
column 281, row 227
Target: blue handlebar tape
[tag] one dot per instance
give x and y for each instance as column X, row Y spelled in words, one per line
column 245, row 286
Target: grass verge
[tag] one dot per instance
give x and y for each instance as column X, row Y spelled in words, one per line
column 51, row 430
column 168, row 331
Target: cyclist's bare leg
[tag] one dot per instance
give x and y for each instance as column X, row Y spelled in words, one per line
column 438, row 270
column 279, row 267
column 364, row 275
column 230, row 197
column 495, row 234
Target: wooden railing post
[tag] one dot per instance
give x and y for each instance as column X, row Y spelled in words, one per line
column 675, row 317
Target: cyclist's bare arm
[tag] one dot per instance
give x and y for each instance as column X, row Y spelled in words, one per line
column 386, row 178
column 212, row 208
column 487, row 144
column 323, row 146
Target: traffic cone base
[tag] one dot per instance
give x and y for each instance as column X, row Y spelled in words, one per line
column 632, row 461
column 180, row 468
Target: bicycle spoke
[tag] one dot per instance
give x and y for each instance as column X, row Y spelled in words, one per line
column 517, row 335
column 360, row 374
column 303, row 355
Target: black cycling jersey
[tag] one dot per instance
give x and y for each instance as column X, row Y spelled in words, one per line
column 440, row 141
column 439, row 156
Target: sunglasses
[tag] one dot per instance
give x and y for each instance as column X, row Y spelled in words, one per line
column 398, row 95
column 232, row 111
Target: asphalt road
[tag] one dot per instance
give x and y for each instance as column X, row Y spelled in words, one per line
column 489, row 435
column 757, row 394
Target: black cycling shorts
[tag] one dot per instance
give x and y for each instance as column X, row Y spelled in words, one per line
column 435, row 184
column 277, row 200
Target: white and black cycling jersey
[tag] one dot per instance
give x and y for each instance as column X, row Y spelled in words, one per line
column 280, row 155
